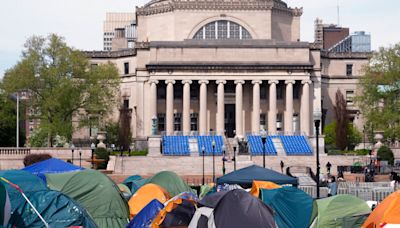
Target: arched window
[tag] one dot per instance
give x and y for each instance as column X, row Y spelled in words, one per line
column 222, row 30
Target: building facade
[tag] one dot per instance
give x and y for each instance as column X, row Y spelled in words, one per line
column 229, row 67
column 120, row 29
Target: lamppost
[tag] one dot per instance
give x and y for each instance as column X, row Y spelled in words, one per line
column 93, row 147
column 72, row 153
column 213, row 155
column 263, row 140
column 234, row 153
column 317, row 121
column 80, row 157
column 202, row 154
column 223, row 160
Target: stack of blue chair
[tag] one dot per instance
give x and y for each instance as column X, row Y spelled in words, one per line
column 176, row 145
column 206, row 141
column 256, row 147
column 296, row 145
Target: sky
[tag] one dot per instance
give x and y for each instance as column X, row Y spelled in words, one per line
column 81, row 21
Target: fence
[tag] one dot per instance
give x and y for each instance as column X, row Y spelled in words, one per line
column 14, row 151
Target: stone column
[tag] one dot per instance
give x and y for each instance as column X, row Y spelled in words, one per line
column 272, row 106
column 220, row 107
column 170, row 106
column 186, row 106
column 289, row 106
column 239, row 108
column 256, row 107
column 203, row 107
column 153, row 98
column 305, row 107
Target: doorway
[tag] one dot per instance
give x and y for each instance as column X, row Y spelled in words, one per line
column 230, row 120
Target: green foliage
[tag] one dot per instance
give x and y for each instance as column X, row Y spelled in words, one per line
column 386, row 154
column 133, row 153
column 380, row 99
column 62, row 85
column 38, row 138
column 342, row 121
column 101, row 153
column 354, row 137
column 8, row 118
column 35, row 158
column 112, row 133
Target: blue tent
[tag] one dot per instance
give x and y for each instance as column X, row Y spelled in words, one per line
column 246, row 176
column 147, row 215
column 52, row 165
column 292, row 206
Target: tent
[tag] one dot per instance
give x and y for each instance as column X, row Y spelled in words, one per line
column 292, row 206
column 56, row 208
column 177, row 212
column 235, row 208
column 334, row 211
column 52, row 165
column 246, row 176
column 134, row 182
column 96, row 192
column 145, row 195
column 126, row 192
column 171, row 182
column 147, row 215
column 258, row 185
column 387, row 212
column 5, row 206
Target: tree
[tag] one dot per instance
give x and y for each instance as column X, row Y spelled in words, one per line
column 124, row 129
column 8, row 119
column 380, row 97
column 353, row 136
column 341, row 120
column 62, row 85
column 386, row 154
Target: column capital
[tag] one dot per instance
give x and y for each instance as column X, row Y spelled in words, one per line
column 273, row 82
column 256, row 82
column 170, row 81
column 186, row 82
column 307, row 81
column 153, row 81
column 239, row 82
column 220, row 81
column 203, row 82
column 290, row 82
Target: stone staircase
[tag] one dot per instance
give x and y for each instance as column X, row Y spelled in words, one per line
column 278, row 146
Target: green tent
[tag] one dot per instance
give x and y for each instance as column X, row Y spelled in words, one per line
column 97, row 193
column 5, row 207
column 336, row 210
column 57, row 209
column 171, row 182
column 292, row 206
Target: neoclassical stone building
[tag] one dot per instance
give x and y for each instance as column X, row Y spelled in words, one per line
column 227, row 66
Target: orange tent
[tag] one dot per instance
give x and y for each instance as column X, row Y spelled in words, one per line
column 387, row 212
column 257, row 185
column 144, row 195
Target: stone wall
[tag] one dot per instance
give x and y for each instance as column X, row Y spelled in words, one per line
column 11, row 158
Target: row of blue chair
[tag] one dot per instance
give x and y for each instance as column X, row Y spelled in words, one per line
column 296, row 145
column 179, row 145
column 256, row 147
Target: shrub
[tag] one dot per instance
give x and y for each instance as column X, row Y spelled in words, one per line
column 35, row 158
column 101, row 153
column 386, row 154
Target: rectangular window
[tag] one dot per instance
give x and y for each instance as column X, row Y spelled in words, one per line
column 264, row 91
column 194, row 92
column 263, row 121
column 126, row 68
column 177, row 121
column 161, row 92
column 193, row 121
column 161, row 121
column 279, row 91
column 178, row 90
column 296, row 91
column 349, row 69
column 126, row 104
column 350, row 97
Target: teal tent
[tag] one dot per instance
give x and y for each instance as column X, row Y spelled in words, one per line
column 134, row 182
column 5, row 207
column 292, row 206
column 57, row 209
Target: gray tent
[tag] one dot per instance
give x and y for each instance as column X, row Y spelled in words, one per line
column 235, row 208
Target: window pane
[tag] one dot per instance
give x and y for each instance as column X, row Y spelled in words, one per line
column 209, row 31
